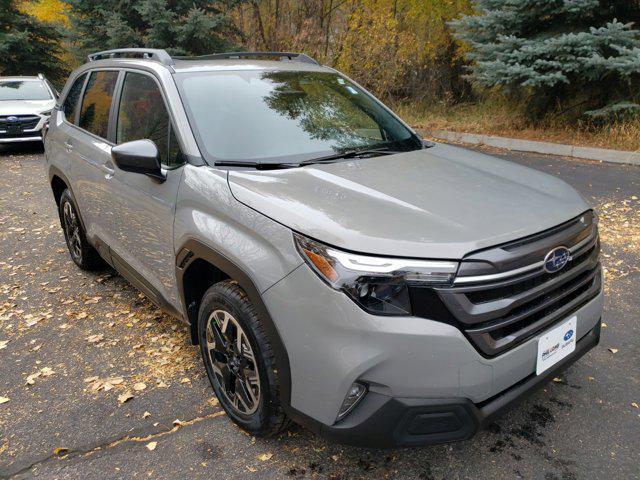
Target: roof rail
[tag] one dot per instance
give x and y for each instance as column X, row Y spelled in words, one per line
column 158, row 55
column 299, row 57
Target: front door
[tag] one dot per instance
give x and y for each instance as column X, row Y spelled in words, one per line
column 143, row 207
column 90, row 151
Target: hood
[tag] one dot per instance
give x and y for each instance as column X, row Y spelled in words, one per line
column 443, row 202
column 25, row 107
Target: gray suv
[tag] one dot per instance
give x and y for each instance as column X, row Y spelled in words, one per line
column 334, row 268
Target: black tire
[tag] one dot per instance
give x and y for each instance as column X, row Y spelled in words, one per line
column 82, row 253
column 268, row 418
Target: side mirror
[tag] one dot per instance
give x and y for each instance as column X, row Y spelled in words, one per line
column 138, row 156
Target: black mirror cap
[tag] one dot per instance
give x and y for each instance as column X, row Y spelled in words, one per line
column 138, row 156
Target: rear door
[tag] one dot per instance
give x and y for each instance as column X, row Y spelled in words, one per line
column 90, row 148
column 142, row 208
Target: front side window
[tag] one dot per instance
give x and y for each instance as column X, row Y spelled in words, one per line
column 142, row 114
column 70, row 103
column 24, row 90
column 286, row 116
column 94, row 113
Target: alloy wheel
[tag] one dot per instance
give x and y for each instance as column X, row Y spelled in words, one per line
column 233, row 362
column 72, row 230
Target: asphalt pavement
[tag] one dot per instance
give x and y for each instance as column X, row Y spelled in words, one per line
column 96, row 383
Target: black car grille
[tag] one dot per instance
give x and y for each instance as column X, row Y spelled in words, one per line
column 509, row 301
column 23, row 122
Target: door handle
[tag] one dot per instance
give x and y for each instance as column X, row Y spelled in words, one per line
column 108, row 169
column 68, row 145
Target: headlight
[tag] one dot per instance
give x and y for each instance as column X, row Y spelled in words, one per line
column 378, row 284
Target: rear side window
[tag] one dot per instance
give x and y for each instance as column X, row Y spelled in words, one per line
column 142, row 114
column 71, row 102
column 94, row 113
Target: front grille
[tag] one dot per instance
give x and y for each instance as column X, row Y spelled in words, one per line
column 24, row 122
column 491, row 294
column 504, row 307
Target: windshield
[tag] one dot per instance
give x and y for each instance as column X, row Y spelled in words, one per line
column 286, row 116
column 23, row 90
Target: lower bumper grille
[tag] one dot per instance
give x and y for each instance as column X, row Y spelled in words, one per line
column 504, row 307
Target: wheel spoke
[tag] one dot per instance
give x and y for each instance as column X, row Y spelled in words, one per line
column 219, row 342
column 232, row 362
column 243, row 395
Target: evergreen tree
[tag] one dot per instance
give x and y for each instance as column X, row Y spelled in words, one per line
column 27, row 45
column 567, row 56
column 182, row 27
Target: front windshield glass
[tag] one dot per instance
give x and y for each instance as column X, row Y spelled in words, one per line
column 286, row 116
column 23, row 90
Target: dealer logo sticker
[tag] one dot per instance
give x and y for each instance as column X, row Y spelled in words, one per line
column 556, row 344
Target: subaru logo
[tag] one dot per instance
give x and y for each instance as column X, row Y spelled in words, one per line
column 556, row 259
column 568, row 335
column 12, row 118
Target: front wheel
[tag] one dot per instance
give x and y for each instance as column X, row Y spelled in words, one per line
column 239, row 359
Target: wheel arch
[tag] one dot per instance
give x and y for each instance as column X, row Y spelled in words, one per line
column 199, row 266
column 59, row 183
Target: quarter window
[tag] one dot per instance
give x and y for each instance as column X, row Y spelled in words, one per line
column 71, row 101
column 142, row 114
column 94, row 113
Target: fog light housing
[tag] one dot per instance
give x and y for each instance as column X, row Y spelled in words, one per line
column 355, row 394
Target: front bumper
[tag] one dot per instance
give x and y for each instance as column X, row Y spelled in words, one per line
column 381, row 421
column 332, row 343
column 29, row 137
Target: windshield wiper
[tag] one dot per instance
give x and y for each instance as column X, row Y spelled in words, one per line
column 256, row 165
column 351, row 154
column 337, row 156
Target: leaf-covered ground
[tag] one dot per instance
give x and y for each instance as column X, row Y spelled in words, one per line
column 95, row 382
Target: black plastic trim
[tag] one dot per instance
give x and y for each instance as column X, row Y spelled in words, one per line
column 138, row 281
column 194, row 250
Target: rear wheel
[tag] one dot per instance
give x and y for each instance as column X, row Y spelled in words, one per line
column 82, row 253
column 239, row 360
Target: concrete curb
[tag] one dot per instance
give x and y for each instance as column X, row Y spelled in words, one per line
column 600, row 154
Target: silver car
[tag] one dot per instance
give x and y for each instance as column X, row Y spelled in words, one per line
column 25, row 106
column 334, row 268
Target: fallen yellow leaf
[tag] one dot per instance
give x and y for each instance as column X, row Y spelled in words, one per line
column 125, row 397
column 265, row 456
column 4, row 400
column 151, row 446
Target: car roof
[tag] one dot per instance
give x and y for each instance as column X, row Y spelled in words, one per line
column 19, row 78
column 232, row 64
column 208, row 65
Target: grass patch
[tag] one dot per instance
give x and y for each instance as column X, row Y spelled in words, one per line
column 498, row 118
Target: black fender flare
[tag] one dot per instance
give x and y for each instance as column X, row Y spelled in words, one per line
column 193, row 250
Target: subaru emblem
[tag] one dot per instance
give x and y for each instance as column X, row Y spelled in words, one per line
column 12, row 118
column 556, row 259
column 568, row 335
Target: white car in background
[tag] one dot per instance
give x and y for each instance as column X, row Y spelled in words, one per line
column 25, row 106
